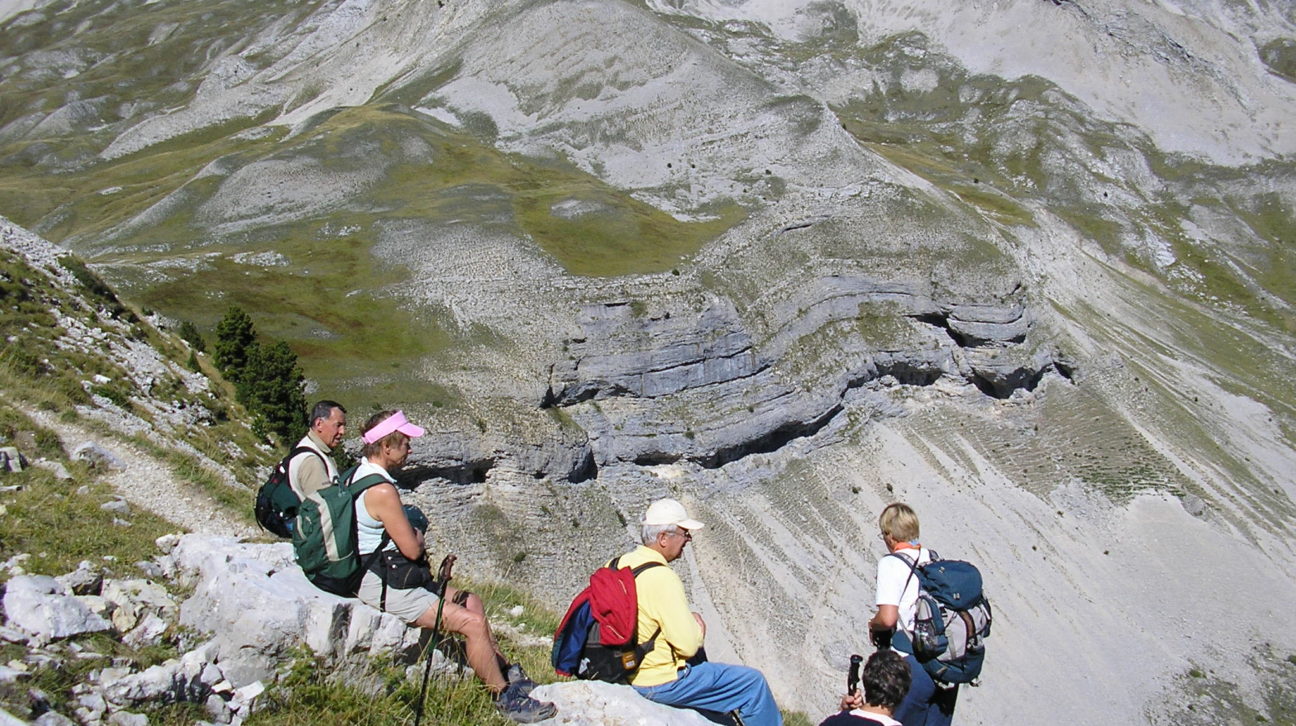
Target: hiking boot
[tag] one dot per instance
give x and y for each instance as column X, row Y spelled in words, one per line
column 518, row 678
column 517, row 706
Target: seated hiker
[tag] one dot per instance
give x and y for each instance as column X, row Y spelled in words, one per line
column 309, row 474
column 886, row 680
column 405, row 588
column 925, row 704
column 672, row 673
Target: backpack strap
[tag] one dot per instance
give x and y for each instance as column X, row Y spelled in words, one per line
column 364, row 484
column 359, row 486
column 645, row 566
column 287, row 463
column 642, row 649
column 913, row 565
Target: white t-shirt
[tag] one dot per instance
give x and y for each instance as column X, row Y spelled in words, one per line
column 876, row 718
column 895, row 585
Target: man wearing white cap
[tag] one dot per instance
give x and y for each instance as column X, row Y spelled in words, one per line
column 381, row 522
column 670, row 673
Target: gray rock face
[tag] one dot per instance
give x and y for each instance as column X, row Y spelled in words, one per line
column 56, row 468
column 84, row 580
column 11, row 459
column 137, row 600
column 116, row 505
column 97, row 456
column 126, row 718
column 859, row 338
column 623, row 353
column 696, row 385
column 53, row 718
column 42, row 607
column 256, row 603
column 189, row 678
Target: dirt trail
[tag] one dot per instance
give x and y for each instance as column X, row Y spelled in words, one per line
column 148, row 483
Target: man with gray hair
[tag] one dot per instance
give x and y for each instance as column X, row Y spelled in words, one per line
column 673, row 673
column 312, row 470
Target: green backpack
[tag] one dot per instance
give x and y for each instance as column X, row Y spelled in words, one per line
column 325, row 539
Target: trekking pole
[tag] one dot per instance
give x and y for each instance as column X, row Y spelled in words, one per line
column 443, row 580
column 852, row 675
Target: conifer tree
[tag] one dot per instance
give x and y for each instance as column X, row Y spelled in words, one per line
column 235, row 337
column 272, row 388
column 189, row 333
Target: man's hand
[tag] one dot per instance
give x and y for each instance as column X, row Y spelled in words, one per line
column 852, row 701
column 882, row 625
column 701, row 624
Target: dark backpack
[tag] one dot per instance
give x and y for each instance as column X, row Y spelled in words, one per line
column 951, row 619
column 325, row 538
column 597, row 638
column 276, row 502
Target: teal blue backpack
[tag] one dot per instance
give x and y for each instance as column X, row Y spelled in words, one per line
column 951, row 619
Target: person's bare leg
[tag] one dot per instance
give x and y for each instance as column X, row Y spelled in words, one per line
column 473, row 603
column 481, row 649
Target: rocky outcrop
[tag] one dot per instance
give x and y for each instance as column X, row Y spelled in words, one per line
column 622, row 352
column 46, row 610
column 594, row 703
column 664, row 385
column 457, row 451
column 257, row 608
column 257, row 605
column 250, row 605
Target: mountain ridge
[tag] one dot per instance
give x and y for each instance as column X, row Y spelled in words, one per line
column 1026, row 265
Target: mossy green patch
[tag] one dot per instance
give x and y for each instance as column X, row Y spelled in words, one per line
column 1202, row 698
column 623, row 237
column 884, row 326
column 333, row 302
column 1280, row 55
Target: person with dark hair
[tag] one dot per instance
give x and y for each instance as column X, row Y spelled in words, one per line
column 926, row 703
column 382, row 523
column 311, row 471
column 886, row 680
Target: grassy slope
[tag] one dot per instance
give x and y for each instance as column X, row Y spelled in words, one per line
column 56, row 524
column 1006, row 148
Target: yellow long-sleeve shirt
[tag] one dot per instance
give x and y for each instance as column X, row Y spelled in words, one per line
column 662, row 603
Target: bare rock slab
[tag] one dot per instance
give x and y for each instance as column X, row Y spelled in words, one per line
column 42, row 607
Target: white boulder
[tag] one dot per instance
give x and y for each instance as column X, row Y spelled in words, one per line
column 594, row 703
column 43, row 608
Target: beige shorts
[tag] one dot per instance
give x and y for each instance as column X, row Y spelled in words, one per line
column 407, row 605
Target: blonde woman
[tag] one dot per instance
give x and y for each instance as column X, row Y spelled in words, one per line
column 382, row 524
column 925, row 703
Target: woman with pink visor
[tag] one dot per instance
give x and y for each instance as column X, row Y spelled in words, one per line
column 398, row 581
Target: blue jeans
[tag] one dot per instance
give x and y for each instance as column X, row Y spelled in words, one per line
column 925, row 704
column 719, row 687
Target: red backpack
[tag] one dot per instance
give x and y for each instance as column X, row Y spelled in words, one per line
column 596, row 639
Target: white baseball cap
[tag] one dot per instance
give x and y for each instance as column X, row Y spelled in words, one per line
column 669, row 511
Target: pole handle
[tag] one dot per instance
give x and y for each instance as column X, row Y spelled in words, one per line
column 443, row 573
column 853, row 676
